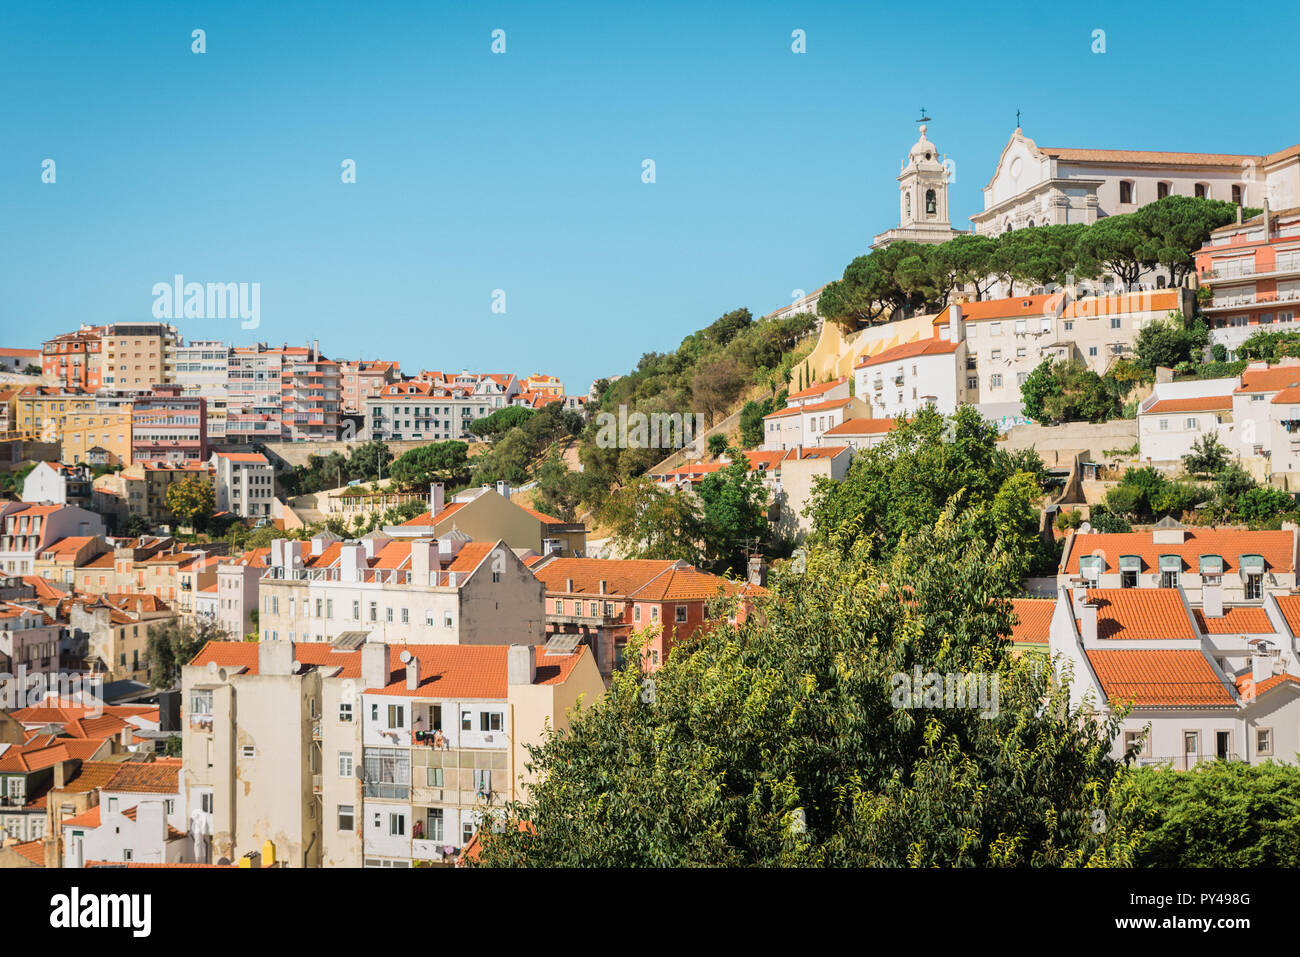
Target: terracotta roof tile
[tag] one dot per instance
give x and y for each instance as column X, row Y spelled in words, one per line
column 1277, row 548
column 1033, row 619
column 1141, row 614
column 908, row 350
column 1208, row 403
column 1239, row 620
column 152, row 777
column 862, row 427
column 1160, row 677
column 819, row 389
column 1272, row 379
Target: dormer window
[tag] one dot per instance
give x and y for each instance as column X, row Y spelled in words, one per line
column 1252, row 576
column 1211, row 569
column 1129, row 567
column 1171, row 567
column 1090, row 567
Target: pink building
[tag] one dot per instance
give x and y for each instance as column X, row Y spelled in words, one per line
column 1253, row 270
column 169, row 426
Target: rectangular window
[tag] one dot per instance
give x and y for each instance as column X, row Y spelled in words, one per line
column 396, row 825
column 356, row 611
column 406, row 616
column 345, row 711
column 396, row 716
column 388, row 615
column 995, row 381
column 1128, row 579
column 345, row 764
column 680, row 614
column 434, row 777
column 1254, row 587
column 466, row 721
column 446, row 619
column 1264, row 741
column 387, row 773
column 435, row 823
column 1114, row 323
column 490, row 721
column 374, row 611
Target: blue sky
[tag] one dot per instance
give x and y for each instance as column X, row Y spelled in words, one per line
column 522, row 171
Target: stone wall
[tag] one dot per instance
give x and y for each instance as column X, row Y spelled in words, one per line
column 1058, row 444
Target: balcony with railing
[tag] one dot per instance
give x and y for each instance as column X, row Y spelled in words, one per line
column 1221, row 303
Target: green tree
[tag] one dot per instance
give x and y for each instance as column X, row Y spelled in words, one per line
column 717, row 384
column 1169, row 342
column 792, row 738
column 727, row 327
column 501, row 421
column 1207, row 457
column 1113, row 244
column 191, row 501
column 1175, row 227
column 751, row 422
column 1221, row 814
column 717, row 444
column 440, row 462
column 970, row 258
column 174, row 643
column 733, row 503
column 369, row 461
column 650, row 521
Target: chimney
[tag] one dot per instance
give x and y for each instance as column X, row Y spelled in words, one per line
column 1239, row 214
column 568, row 586
column 412, row 670
column 292, row 554
column 758, row 570
column 151, row 817
column 277, row 552
column 603, row 585
column 374, row 664
column 503, row 489
column 521, row 664
column 61, row 771
column 1088, row 616
column 437, row 497
column 275, row 658
column 315, row 350
column 1261, row 664
column 1212, row 600
column 350, row 561
column 424, row 558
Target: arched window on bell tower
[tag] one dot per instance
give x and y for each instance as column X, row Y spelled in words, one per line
column 930, row 206
column 908, row 205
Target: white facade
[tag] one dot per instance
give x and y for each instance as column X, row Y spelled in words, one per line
column 900, row 381
column 245, row 483
column 48, row 482
column 1176, row 414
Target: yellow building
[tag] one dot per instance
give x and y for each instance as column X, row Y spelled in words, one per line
column 97, row 438
column 42, row 410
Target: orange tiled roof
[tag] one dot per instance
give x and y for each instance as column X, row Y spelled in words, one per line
column 821, row 389
column 923, row 347
column 1033, row 619
column 34, row 851
column 428, row 519
column 153, row 777
column 1239, row 620
column 637, row 579
column 1002, row 308
column 1148, row 157
column 1272, row 379
column 1152, row 300
column 862, row 427
column 1289, row 605
column 1160, row 677
column 815, row 407
column 1207, row 403
column 1141, row 614
column 1277, row 548
column 87, row 819
column 1268, row 684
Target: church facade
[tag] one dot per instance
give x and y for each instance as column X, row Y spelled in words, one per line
column 1047, row 186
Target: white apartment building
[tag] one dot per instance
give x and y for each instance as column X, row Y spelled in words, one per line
column 57, row 484
column 202, row 369
column 27, row 530
column 1177, row 414
column 140, row 817
column 1206, row 682
column 435, row 407
column 809, row 414
column 902, row 380
column 245, row 483
column 427, row 591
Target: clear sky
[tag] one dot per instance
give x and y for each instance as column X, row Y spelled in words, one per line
column 522, row 171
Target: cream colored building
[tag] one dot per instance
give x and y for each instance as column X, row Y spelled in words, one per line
column 428, row 591
column 358, row 753
column 138, row 355
column 95, row 437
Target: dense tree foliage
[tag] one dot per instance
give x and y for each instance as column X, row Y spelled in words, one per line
column 175, row 642
column 1220, row 814
column 191, row 501
column 1067, row 391
column 785, row 740
column 446, row 462
column 905, row 482
column 1171, row 342
column 500, row 421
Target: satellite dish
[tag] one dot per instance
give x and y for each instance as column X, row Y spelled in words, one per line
column 1085, row 528
column 212, row 667
column 406, row 657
